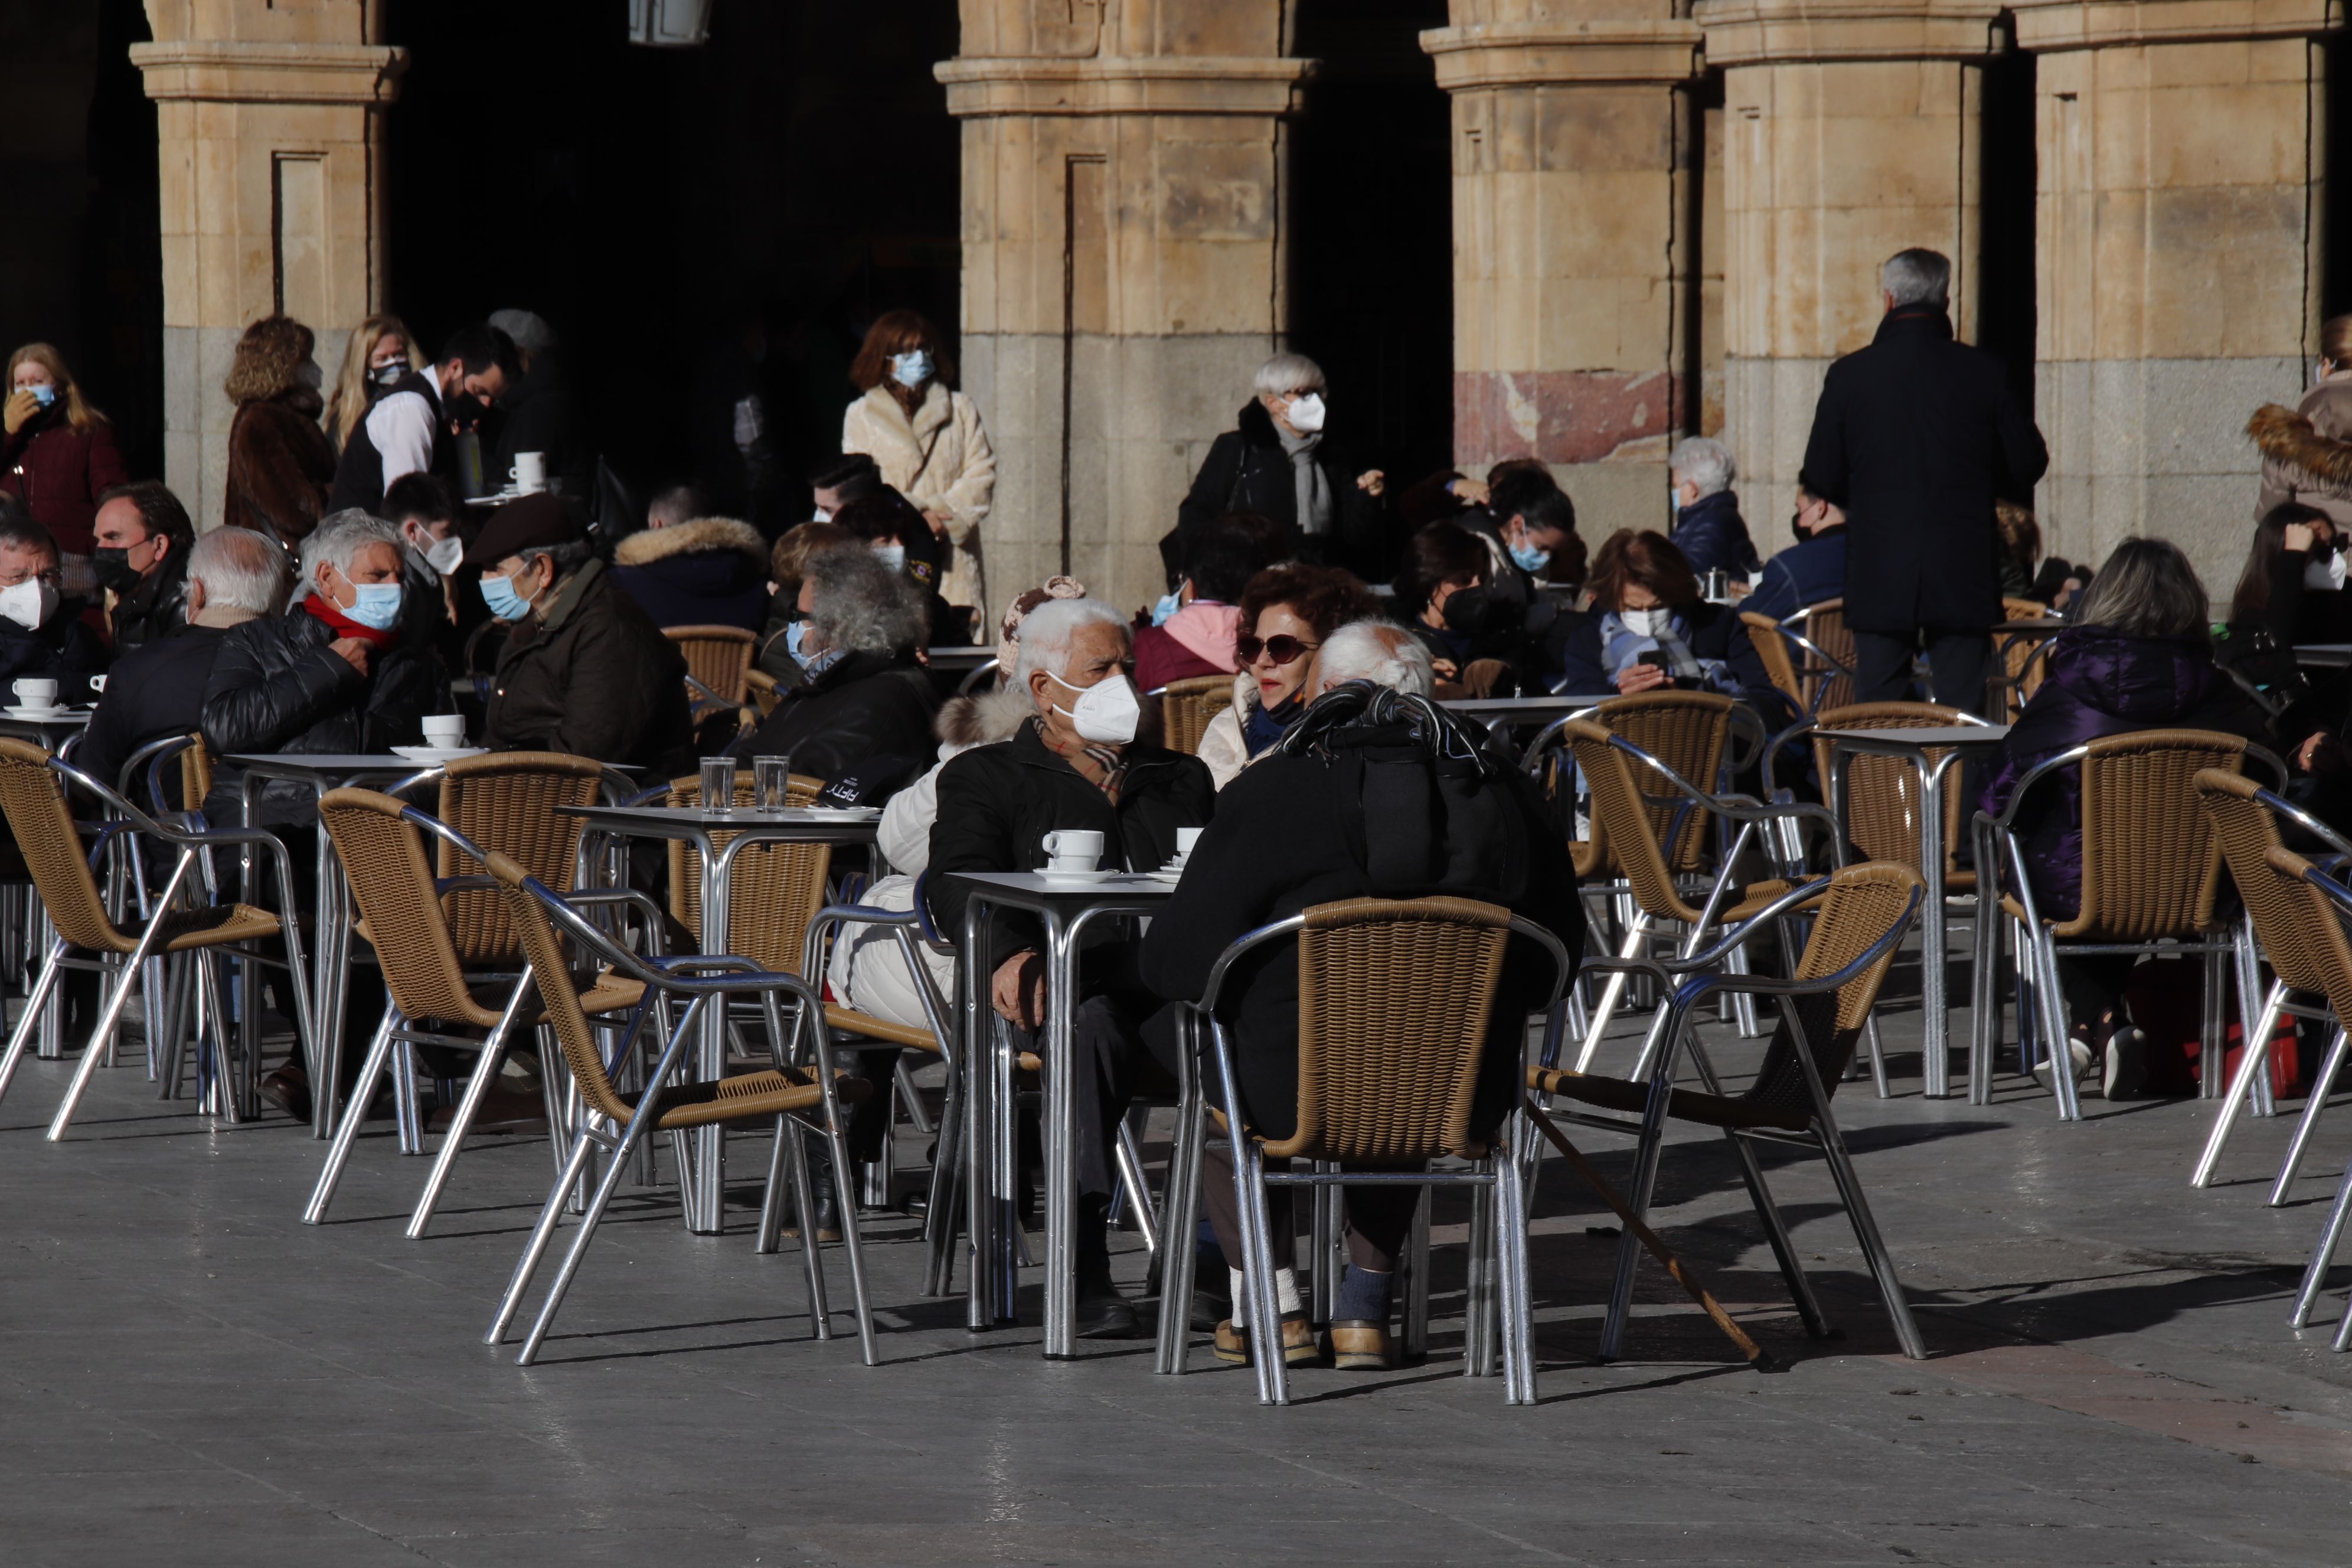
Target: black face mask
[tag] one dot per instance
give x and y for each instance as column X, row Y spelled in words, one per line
column 467, row 411
column 113, row 570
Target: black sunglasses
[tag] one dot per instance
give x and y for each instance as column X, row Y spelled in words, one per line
column 1283, row 648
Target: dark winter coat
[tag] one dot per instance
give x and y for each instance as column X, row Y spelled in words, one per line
column 1808, row 573
column 595, row 678
column 63, row 648
column 867, row 707
column 276, row 686
column 1713, row 536
column 2102, row 683
column 2296, row 613
column 1247, row 471
column 154, row 690
column 713, row 572
column 536, row 415
column 280, row 467
column 997, row 804
column 158, row 608
column 1716, row 632
column 1914, row 438
column 1292, row 832
column 59, row 472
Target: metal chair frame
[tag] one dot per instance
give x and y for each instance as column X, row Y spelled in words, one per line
column 2323, row 1253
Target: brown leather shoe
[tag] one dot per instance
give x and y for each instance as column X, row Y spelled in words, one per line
column 1298, row 1347
column 1359, row 1346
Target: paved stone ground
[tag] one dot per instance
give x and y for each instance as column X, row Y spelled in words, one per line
column 190, row 1376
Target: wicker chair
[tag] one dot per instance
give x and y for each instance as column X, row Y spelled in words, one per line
column 2024, row 610
column 802, row 1096
column 411, row 918
column 2327, row 953
column 773, row 890
column 1879, row 804
column 717, row 661
column 764, row 691
column 2151, row 880
column 2284, row 913
column 1187, row 705
column 1861, row 921
column 33, row 796
column 1827, row 673
column 2024, row 663
column 510, row 802
column 1773, row 647
column 1394, row 1000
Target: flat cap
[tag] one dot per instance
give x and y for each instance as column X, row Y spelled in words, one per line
column 535, row 519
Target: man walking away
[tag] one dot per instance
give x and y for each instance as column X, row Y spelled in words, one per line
column 1914, row 439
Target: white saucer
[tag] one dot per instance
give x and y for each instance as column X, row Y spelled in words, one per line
column 431, row 755
column 1170, row 875
column 60, row 711
column 846, row 813
column 1079, row 878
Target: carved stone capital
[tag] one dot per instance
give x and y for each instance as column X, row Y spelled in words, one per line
column 1529, row 53
column 2050, row 24
column 1156, row 84
column 271, row 72
column 1791, row 32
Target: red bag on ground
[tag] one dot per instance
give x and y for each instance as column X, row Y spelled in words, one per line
column 2166, row 998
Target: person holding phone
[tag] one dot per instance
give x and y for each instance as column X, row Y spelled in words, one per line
column 1649, row 629
column 2293, row 583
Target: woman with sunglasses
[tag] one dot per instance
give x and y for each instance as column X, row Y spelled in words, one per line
column 1649, row 629
column 1286, row 612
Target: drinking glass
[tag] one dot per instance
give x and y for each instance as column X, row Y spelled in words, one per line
column 772, row 782
column 718, row 784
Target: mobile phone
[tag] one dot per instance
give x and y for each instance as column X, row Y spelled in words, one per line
column 1656, row 656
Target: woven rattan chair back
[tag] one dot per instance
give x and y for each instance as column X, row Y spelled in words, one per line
column 195, row 774
column 2327, row 951
column 1187, row 705
column 2023, row 610
column 34, row 798
column 1825, row 626
column 1882, row 794
column 1765, row 635
column 773, row 890
column 2151, row 860
column 545, row 951
column 507, row 801
column 718, row 657
column 2024, row 664
column 2280, row 910
column 1863, row 904
column 764, row 691
column 1393, row 1005
column 391, row 875
column 1686, row 730
column 1623, row 837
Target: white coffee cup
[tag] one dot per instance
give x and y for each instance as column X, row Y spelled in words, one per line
column 96, row 683
column 32, row 693
column 530, row 472
column 445, row 730
column 1074, row 849
column 1185, row 839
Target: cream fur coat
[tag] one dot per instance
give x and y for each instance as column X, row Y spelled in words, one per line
column 942, row 462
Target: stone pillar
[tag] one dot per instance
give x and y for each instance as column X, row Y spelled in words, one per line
column 1123, row 266
column 2177, row 230
column 271, row 147
column 1847, row 138
column 1574, row 251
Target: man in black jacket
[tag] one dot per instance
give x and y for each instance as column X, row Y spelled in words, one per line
column 865, row 708
column 1915, row 437
column 144, row 534
column 1077, row 765
column 1278, row 463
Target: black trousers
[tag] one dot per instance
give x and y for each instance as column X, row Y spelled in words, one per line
column 1959, row 662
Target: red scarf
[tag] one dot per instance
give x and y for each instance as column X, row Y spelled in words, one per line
column 321, row 606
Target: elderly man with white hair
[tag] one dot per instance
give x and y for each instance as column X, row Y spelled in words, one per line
column 1279, row 462
column 1076, row 764
column 1708, row 529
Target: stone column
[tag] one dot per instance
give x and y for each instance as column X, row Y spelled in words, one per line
column 1848, row 137
column 270, row 132
column 1123, row 264
column 1575, row 305
column 2177, row 230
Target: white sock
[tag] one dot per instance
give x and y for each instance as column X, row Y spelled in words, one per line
column 1239, row 1298
column 1286, row 1289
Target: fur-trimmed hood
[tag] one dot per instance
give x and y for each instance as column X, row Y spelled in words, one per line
column 2289, row 438
column 648, row 545
column 981, row 719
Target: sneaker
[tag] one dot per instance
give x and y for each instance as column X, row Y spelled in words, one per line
column 2078, row 1051
column 2126, row 1064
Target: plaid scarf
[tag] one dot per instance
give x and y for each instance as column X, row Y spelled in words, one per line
column 1111, row 760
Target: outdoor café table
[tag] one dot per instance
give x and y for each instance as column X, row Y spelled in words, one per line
column 704, row 1186
column 50, row 731
column 991, row 1168
column 330, row 934
column 1500, row 714
column 2324, row 655
column 1914, row 745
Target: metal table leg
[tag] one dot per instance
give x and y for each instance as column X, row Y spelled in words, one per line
column 706, row 1190
column 1934, row 952
column 1061, row 1137
column 981, row 1195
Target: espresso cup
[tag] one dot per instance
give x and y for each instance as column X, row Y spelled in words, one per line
column 445, row 730
column 32, row 693
column 529, row 471
column 1074, row 849
column 98, row 683
column 1185, row 839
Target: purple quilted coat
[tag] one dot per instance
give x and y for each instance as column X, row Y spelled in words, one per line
column 2102, row 683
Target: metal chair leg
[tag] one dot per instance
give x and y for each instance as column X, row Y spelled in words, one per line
column 615, row 1170
column 1416, row 1295
column 1646, row 1152
column 1180, row 1223
column 2323, row 1254
column 2252, row 1063
column 487, row 1062
column 29, row 1023
column 1784, row 1247
column 331, row 1174
column 542, row 1233
column 2313, row 1109
column 100, row 1036
column 1874, row 1247
column 1518, row 1286
column 1257, row 1275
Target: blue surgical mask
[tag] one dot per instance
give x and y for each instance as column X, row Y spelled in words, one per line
column 894, row 556
column 1167, row 606
column 376, row 605
column 498, row 594
column 912, row 369
column 44, row 394
column 1529, row 559
column 793, row 635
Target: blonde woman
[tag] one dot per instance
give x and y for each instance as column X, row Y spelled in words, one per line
column 380, row 351
column 926, row 438
column 279, row 464
column 57, row 457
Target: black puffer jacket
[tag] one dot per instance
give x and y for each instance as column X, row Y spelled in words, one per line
column 595, row 678
column 276, row 686
column 1247, row 471
column 997, row 804
column 158, row 608
column 867, row 707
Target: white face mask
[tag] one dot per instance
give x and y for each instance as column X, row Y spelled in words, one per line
column 821, row 516
column 1305, row 413
column 2325, row 575
column 28, row 603
column 912, row 369
column 894, row 556
column 1107, row 711
column 1653, row 623
column 443, row 555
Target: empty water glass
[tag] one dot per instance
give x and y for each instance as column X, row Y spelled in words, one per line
column 718, row 784
column 772, row 782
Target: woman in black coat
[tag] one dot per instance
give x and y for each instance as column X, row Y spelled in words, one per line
column 864, row 707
